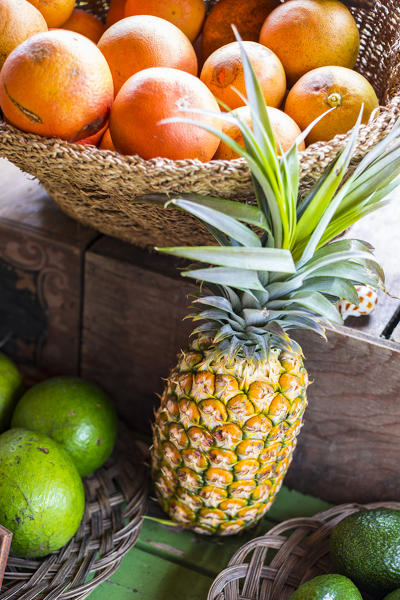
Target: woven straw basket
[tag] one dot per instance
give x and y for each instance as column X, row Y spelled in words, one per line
column 105, row 190
column 272, row 566
column 115, row 504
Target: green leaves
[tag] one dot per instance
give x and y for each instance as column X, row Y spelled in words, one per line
column 277, row 266
column 277, row 203
column 224, row 223
column 235, row 278
column 324, row 204
column 332, row 206
column 250, row 259
column 247, row 213
column 261, row 124
column 351, row 271
column 316, row 303
column 336, row 287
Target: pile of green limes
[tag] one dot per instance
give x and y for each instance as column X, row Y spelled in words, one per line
column 56, row 432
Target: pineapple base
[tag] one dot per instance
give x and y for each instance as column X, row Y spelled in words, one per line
column 224, row 437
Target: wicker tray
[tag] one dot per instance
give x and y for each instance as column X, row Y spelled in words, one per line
column 115, row 504
column 272, row 566
column 108, row 191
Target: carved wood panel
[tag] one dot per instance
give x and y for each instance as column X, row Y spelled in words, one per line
column 41, row 262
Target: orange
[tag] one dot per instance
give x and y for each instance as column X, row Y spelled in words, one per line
column 197, row 48
column 116, row 12
column 188, row 15
column 69, row 83
column 223, row 71
column 141, row 42
column 156, row 94
column 285, row 131
column 327, row 87
column 307, row 34
column 86, row 24
column 107, row 143
column 247, row 16
column 55, row 12
column 94, row 140
column 19, row 20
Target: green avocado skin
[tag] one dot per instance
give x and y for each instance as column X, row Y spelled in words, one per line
column 11, row 387
column 393, row 595
column 365, row 546
column 327, row 587
column 42, row 498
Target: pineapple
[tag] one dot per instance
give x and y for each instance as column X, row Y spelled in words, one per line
column 232, row 408
column 225, row 435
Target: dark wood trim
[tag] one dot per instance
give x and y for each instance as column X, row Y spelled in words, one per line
column 5, row 545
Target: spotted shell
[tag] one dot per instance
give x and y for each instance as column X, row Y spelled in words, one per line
column 368, row 301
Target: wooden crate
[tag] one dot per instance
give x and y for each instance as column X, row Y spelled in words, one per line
column 41, row 267
column 132, row 325
column 349, row 447
column 350, row 442
column 395, row 336
column 114, row 314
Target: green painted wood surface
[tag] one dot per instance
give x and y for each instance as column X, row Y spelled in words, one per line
column 143, row 576
column 171, row 564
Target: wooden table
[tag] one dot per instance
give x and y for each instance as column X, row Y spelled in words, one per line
column 172, row 564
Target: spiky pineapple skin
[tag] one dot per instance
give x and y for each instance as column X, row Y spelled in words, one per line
column 224, row 437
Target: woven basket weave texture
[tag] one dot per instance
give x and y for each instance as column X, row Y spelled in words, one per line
column 115, row 504
column 105, row 190
column 272, row 566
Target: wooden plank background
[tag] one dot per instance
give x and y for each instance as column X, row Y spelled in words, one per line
column 41, row 272
column 381, row 230
column 351, row 439
column 349, row 447
column 77, row 302
column 132, row 325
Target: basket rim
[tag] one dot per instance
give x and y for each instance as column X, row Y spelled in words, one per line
column 115, row 503
column 256, row 568
column 110, row 192
column 134, row 160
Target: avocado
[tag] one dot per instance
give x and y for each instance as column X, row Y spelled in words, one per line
column 365, row 546
column 327, row 587
column 393, row 595
column 11, row 386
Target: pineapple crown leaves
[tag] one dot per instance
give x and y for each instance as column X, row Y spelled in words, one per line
column 278, row 265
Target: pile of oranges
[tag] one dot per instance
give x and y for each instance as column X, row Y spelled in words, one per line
column 122, row 85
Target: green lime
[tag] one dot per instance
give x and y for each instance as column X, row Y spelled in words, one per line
column 75, row 413
column 10, row 390
column 42, row 499
column 327, row 587
column 365, row 546
column 393, row 596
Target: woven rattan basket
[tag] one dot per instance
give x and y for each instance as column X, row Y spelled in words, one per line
column 105, row 190
column 115, row 504
column 272, row 566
